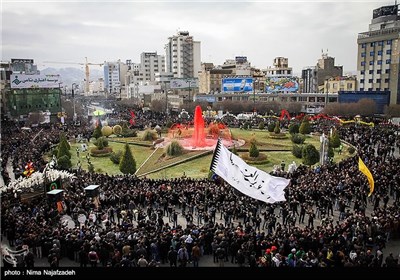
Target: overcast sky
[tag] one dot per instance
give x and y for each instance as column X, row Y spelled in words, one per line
column 111, row 30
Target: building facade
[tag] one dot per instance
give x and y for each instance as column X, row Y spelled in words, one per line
column 210, row 78
column 112, row 82
column 183, row 55
column 334, row 85
column 378, row 53
column 151, row 63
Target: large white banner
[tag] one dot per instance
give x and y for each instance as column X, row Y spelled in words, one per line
column 247, row 179
column 35, row 81
column 183, row 83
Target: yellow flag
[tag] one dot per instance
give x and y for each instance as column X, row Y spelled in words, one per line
column 364, row 169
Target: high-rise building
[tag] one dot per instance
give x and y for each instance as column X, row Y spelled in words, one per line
column 378, row 53
column 112, row 81
column 310, row 81
column 151, row 63
column 183, row 55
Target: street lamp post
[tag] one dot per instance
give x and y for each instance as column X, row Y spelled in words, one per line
column 189, row 81
column 254, row 96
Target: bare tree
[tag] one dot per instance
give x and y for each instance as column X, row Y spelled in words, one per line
column 392, row 110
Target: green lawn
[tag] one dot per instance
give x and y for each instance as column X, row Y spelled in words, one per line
column 275, row 149
column 140, row 154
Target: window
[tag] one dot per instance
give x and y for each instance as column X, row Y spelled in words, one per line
column 362, row 72
column 362, row 89
column 370, row 81
column 371, row 53
column 363, row 54
column 372, row 44
column 363, row 45
column 362, row 81
column 379, row 62
column 379, row 71
column 349, row 86
column 362, row 63
column 387, row 71
column 371, row 62
column 388, row 42
column 380, row 43
column 371, row 72
column 378, row 80
column 379, row 52
column 388, row 51
column 386, row 80
column 387, row 61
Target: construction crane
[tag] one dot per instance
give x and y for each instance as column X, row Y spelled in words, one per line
column 86, row 63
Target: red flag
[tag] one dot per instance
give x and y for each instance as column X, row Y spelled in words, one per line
column 132, row 120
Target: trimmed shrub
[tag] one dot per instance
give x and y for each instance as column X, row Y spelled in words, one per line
column 310, row 155
column 298, row 138
column 254, row 152
column 261, row 159
column 277, row 128
column 261, row 125
column 297, row 151
column 96, row 152
column 234, row 150
column 271, row 127
column 149, row 135
column 351, row 150
column 117, row 129
column 305, row 127
column 294, row 128
column 174, row 149
column 115, row 157
column 101, row 143
column 106, row 131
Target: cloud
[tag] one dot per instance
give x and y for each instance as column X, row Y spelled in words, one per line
column 262, row 30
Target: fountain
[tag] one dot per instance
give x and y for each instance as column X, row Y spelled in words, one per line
column 198, row 136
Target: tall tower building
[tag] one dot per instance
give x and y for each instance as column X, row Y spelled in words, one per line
column 183, row 55
column 378, row 53
column 112, row 81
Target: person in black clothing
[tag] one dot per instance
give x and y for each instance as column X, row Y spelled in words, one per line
column 172, row 257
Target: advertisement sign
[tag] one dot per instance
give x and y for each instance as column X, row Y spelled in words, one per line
column 206, row 98
column 237, row 85
column 385, row 11
column 35, row 81
column 287, row 84
column 183, row 83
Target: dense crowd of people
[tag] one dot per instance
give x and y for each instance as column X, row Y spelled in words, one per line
column 327, row 220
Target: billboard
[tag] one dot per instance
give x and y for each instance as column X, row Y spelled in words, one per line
column 237, row 85
column 35, row 81
column 280, row 84
column 183, row 83
column 385, row 11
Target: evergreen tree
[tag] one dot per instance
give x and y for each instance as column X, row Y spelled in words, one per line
column 63, row 147
column 254, row 152
column 63, row 138
column 310, row 155
column 305, row 127
column 64, row 162
column 127, row 164
column 97, row 132
column 294, row 128
column 334, row 140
